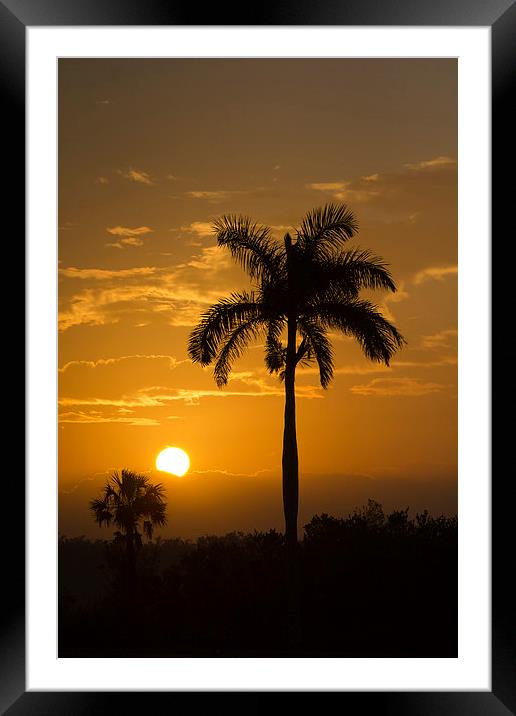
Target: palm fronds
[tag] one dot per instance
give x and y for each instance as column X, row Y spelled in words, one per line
column 326, row 228
column 129, row 498
column 352, row 270
column 275, row 351
column 250, row 244
column 218, row 321
column 317, row 284
column 319, row 348
column 236, row 342
column 362, row 320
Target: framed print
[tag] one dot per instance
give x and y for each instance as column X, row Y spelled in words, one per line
column 258, row 371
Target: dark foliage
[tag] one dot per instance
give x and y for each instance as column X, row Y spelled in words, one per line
column 370, row 585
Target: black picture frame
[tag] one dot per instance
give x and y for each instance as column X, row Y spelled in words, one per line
column 500, row 16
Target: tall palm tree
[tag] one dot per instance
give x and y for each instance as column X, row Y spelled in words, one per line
column 134, row 505
column 302, row 289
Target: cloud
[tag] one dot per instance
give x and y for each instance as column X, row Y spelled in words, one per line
column 281, row 229
column 102, row 180
column 94, row 418
column 437, row 163
column 368, row 368
column 211, row 258
column 130, row 236
column 389, row 387
column 246, row 384
column 127, row 231
column 400, row 295
column 328, row 186
column 348, row 191
column 131, row 241
column 102, row 362
column 106, row 274
column 146, row 398
column 434, row 273
column 228, row 473
column 137, row 176
column 440, row 362
column 215, row 196
column 371, row 177
column 202, row 229
column 179, row 294
column 210, row 195
column 439, row 340
column 354, row 369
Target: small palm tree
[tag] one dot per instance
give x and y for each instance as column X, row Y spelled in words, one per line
column 302, row 289
column 134, row 505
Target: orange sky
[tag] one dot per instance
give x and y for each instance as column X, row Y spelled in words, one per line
column 149, row 152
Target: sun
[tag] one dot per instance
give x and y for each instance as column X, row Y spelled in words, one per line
column 173, row 460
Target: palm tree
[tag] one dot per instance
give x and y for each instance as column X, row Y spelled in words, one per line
column 134, row 505
column 302, row 289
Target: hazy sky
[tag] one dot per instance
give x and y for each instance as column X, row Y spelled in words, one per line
column 149, row 152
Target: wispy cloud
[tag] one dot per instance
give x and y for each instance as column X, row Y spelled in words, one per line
column 364, row 368
column 388, row 387
column 442, row 339
column 128, row 231
column 102, row 362
column 328, row 186
column 212, row 259
column 281, row 229
column 124, row 243
column 129, row 236
column 98, row 274
column 138, row 176
column 202, row 229
column 93, row 418
column 436, row 163
column 369, row 368
column 358, row 192
column 178, row 294
column 213, row 196
column 401, row 294
column 102, row 180
column 434, row 273
column 439, row 363
column 246, row 384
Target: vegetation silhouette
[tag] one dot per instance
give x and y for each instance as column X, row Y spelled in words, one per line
column 136, row 506
column 370, row 585
column 302, row 288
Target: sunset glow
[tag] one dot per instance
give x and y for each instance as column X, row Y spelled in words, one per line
column 151, row 152
column 173, row 460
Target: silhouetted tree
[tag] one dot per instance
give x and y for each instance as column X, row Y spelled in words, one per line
column 302, row 289
column 134, row 505
column 225, row 595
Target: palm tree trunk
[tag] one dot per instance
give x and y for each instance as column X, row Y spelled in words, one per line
column 290, row 458
column 291, row 490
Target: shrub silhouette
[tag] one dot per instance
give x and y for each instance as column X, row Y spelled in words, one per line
column 370, row 584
